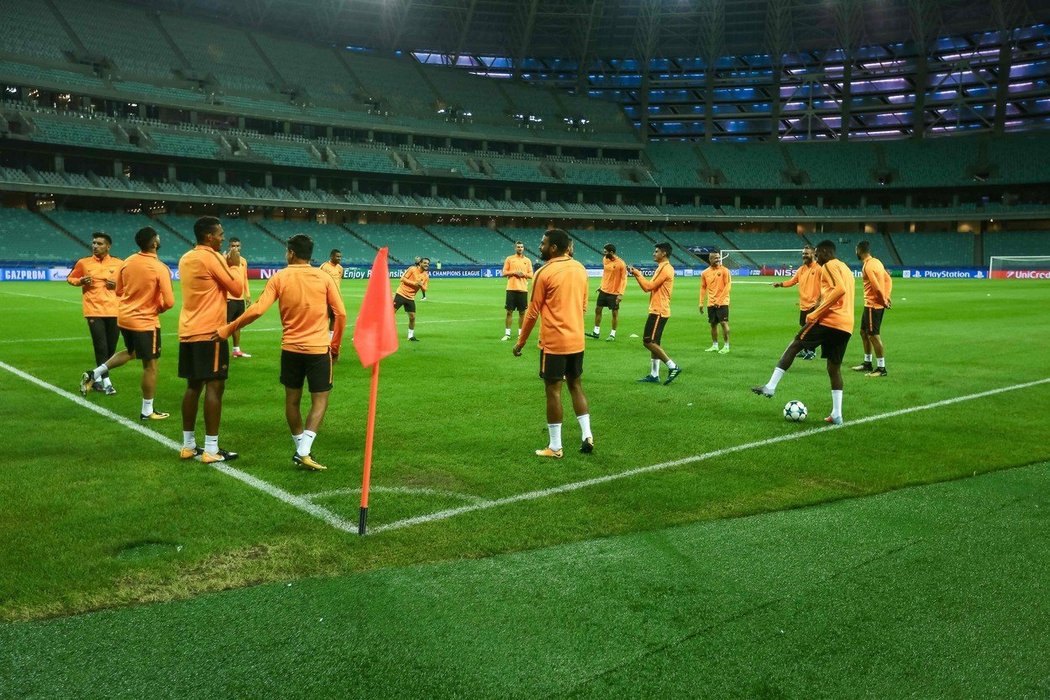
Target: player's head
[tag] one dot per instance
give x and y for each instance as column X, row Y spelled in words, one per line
column 609, row 251
column 100, row 243
column 235, row 244
column 807, row 254
column 208, row 231
column 301, row 247
column 335, row 257
column 423, row 262
column 825, row 251
column 863, row 250
column 661, row 252
column 519, row 248
column 714, row 258
column 555, row 243
column 147, row 239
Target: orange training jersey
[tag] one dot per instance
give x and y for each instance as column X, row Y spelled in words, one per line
column 836, row 297
column 305, row 294
column 559, row 300
column 243, row 269
column 205, row 279
column 659, row 288
column 807, row 277
column 877, row 283
column 335, row 271
column 144, row 286
column 715, row 282
column 98, row 300
column 517, row 263
column 412, row 281
column 614, row 276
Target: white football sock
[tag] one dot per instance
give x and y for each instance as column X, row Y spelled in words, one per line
column 306, row 443
column 99, row 371
column 612, row 333
column 778, row 374
column 671, row 364
column 881, row 362
column 147, row 407
column 211, row 444
column 296, row 439
column 585, row 426
column 106, row 381
column 654, row 369
column 555, row 432
column 836, row 403
column 597, row 329
column 237, row 348
column 507, row 332
column 411, row 333
column 188, row 439
column 867, row 358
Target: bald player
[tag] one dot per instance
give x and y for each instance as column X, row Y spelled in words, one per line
column 807, row 279
column 715, row 283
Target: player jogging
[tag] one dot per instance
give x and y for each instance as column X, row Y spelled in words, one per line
column 610, row 293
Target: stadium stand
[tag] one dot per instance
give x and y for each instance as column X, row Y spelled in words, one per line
column 483, row 245
column 30, row 238
column 260, row 247
column 325, row 237
column 634, row 247
column 120, row 226
column 933, row 249
column 406, row 242
column 747, row 240
column 225, row 52
column 29, row 28
column 1015, row 243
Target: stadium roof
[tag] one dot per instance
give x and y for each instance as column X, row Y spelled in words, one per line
column 614, row 28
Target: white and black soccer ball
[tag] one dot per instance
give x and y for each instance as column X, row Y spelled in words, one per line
column 795, row 411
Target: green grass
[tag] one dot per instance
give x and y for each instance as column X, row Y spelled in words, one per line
column 103, row 517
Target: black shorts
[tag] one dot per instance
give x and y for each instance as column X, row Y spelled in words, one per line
column 234, row 309
column 204, row 360
column 871, row 320
column 609, row 300
column 802, row 315
column 144, row 345
column 831, row 341
column 399, row 301
column 315, row 369
column 554, row 368
column 654, row 328
column 717, row 314
column 516, row 301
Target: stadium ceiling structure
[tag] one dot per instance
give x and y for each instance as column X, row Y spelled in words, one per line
column 583, row 29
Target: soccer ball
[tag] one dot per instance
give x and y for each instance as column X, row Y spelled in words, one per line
column 795, row 411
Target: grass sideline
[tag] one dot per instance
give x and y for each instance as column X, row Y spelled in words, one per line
column 930, row 591
column 105, row 517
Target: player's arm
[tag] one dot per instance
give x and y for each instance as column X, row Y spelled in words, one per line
column 882, row 295
column 703, row 292
column 266, row 300
column 120, row 280
column 167, row 294
column 335, row 303
column 646, row 285
column 223, row 275
column 528, row 269
column 833, row 296
column 539, row 295
column 791, row 282
column 76, row 277
column 506, row 269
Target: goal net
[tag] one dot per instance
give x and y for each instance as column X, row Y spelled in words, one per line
column 1020, row 267
column 764, row 261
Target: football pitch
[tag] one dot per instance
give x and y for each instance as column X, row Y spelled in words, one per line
column 101, row 513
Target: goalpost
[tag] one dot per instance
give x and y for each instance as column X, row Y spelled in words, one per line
column 1020, row 267
column 763, row 259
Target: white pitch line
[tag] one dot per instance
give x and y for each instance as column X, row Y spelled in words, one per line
column 394, row 489
column 575, row 486
column 280, row 494
column 78, row 302
column 86, row 338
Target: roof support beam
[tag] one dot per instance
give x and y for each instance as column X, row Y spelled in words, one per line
column 524, row 23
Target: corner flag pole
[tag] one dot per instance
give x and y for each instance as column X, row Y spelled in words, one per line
column 362, row 520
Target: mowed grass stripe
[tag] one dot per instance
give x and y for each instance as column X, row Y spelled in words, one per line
column 544, row 493
column 302, row 504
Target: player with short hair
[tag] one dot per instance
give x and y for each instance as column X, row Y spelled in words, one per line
column 715, row 283
column 303, row 293
column 334, row 269
column 96, row 275
column 829, row 326
column 414, row 279
column 807, row 278
column 235, row 305
column 660, row 288
column 204, row 361
column 610, row 292
column 877, row 288
column 517, row 269
column 559, row 301
column 144, row 291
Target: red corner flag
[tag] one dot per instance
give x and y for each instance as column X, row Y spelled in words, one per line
column 375, row 333
column 375, row 337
